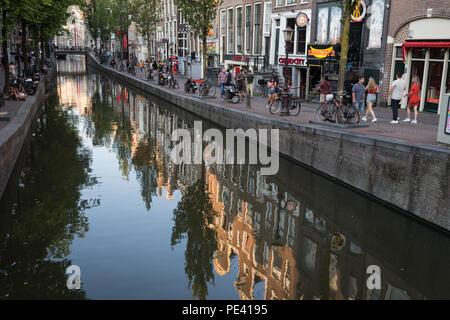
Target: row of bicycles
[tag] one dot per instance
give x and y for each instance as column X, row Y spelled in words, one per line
column 203, row 88
column 338, row 108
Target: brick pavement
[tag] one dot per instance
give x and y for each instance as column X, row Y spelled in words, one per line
column 425, row 131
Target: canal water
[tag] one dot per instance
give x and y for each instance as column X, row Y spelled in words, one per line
column 96, row 188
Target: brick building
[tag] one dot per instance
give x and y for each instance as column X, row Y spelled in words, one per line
column 295, row 14
column 422, row 29
column 244, row 34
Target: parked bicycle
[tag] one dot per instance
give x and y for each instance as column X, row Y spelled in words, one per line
column 173, row 83
column 338, row 108
column 261, row 88
column 294, row 105
column 207, row 89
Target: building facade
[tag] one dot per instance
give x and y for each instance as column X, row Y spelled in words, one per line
column 297, row 15
column 243, row 30
column 418, row 45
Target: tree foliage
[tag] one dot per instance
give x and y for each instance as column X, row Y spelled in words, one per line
column 145, row 14
column 199, row 14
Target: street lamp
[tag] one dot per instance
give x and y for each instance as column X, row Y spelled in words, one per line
column 287, row 33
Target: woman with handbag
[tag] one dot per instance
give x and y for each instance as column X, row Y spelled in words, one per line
column 414, row 100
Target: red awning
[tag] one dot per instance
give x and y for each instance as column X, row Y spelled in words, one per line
column 424, row 44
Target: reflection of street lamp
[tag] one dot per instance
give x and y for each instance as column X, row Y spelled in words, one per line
column 285, row 94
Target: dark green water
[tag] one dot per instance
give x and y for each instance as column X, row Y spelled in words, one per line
column 96, row 188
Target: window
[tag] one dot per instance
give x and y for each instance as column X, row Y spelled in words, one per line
column 301, row 40
column 290, row 22
column 329, row 24
column 248, row 18
column 376, row 24
column 230, row 30
column 239, row 29
column 267, row 17
column 223, row 23
column 257, row 29
column 291, row 2
column 279, row 3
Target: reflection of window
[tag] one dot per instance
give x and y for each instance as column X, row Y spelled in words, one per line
column 309, row 253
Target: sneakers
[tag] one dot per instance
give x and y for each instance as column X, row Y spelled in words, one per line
column 374, row 120
column 407, row 120
column 414, row 122
column 364, row 119
column 394, row 121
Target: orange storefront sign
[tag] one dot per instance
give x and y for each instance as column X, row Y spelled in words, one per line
column 321, row 53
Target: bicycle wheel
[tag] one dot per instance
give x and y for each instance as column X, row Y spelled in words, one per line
column 212, row 91
column 294, row 107
column 351, row 115
column 275, row 106
column 175, row 84
column 322, row 112
column 339, row 116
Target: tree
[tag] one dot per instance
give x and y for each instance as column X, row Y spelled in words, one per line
column 145, row 14
column 192, row 218
column 348, row 7
column 121, row 10
column 199, row 14
column 97, row 14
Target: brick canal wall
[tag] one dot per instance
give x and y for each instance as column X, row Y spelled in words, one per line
column 412, row 177
column 13, row 136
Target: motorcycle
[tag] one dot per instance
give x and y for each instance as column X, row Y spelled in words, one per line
column 230, row 92
column 162, row 78
column 190, row 86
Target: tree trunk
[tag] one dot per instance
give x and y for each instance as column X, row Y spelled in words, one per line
column 5, row 53
column 24, row 46
column 205, row 55
column 344, row 44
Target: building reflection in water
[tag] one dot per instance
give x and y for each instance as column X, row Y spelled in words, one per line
column 295, row 235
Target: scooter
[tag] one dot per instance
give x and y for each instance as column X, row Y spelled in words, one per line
column 162, row 78
column 230, row 92
column 190, row 86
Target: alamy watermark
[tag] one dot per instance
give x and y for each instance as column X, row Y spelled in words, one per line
column 189, row 147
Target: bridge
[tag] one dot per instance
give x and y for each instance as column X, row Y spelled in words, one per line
column 65, row 52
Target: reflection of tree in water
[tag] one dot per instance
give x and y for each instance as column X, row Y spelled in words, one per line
column 144, row 161
column 191, row 220
column 99, row 127
column 49, row 211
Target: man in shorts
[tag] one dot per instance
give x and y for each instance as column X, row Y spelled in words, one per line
column 358, row 94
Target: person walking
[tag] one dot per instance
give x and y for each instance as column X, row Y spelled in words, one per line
column 249, row 81
column 240, row 83
column 324, row 89
column 372, row 90
column 272, row 85
column 358, row 94
column 414, row 100
column 396, row 93
column 222, row 81
column 12, row 70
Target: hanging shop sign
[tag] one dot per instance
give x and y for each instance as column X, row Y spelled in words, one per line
column 301, row 20
column 235, row 58
column 210, row 47
column 293, row 61
column 360, row 11
column 320, row 52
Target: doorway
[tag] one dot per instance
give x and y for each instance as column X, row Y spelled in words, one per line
column 433, row 91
